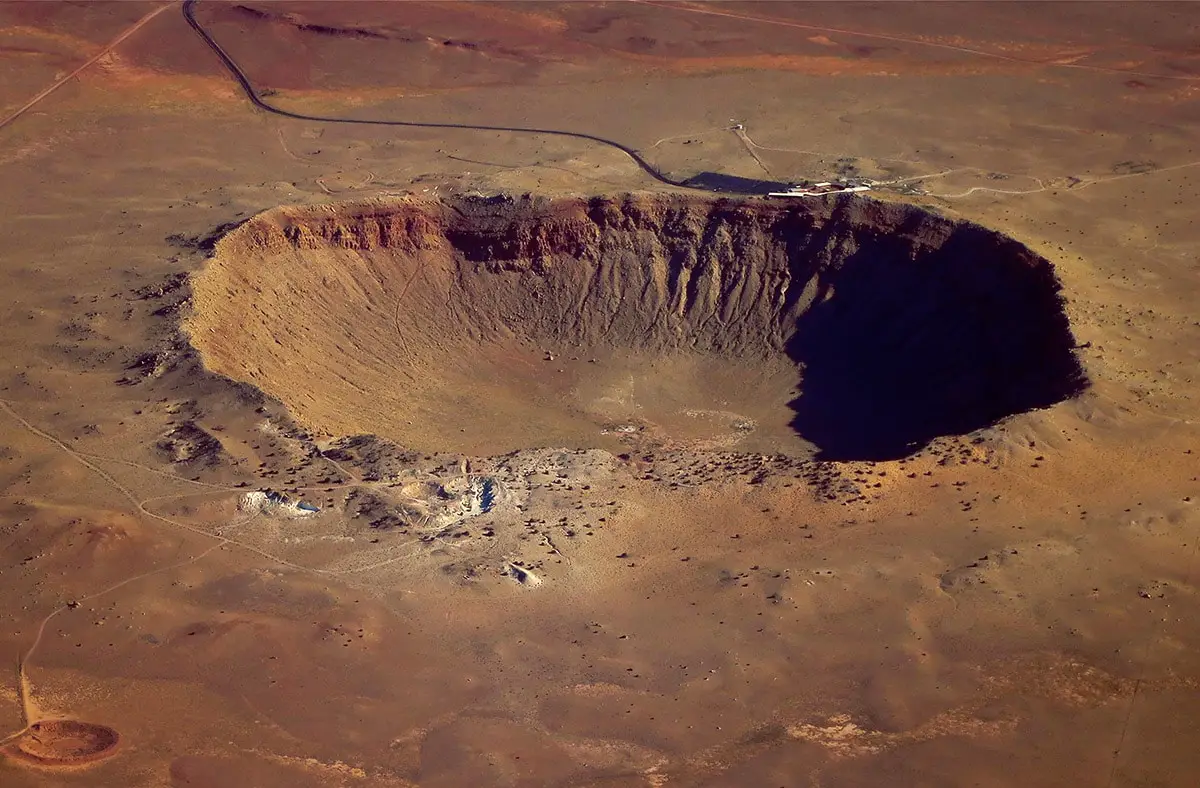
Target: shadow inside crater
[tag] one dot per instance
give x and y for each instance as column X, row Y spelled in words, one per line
column 899, row 348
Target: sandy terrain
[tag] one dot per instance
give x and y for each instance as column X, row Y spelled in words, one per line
column 364, row 455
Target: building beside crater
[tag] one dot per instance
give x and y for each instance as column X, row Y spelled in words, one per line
column 821, row 189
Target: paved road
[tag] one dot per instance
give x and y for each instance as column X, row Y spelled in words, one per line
column 257, row 100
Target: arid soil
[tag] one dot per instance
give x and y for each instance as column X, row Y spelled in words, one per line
column 362, row 455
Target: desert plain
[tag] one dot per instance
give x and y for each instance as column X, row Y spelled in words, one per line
column 514, row 438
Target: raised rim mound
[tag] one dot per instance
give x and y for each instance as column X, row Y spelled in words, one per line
column 64, row 743
column 906, row 325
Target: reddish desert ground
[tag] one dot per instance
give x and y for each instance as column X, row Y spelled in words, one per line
column 528, row 444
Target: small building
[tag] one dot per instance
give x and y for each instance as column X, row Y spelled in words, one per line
column 821, row 189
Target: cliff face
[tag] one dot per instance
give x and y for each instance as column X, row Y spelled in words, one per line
column 878, row 304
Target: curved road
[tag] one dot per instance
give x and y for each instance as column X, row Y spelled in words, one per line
column 257, row 100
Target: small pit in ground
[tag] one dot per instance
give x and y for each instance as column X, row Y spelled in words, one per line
column 63, row 743
column 845, row 329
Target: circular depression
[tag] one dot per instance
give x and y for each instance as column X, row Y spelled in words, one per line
column 64, row 743
column 850, row 329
